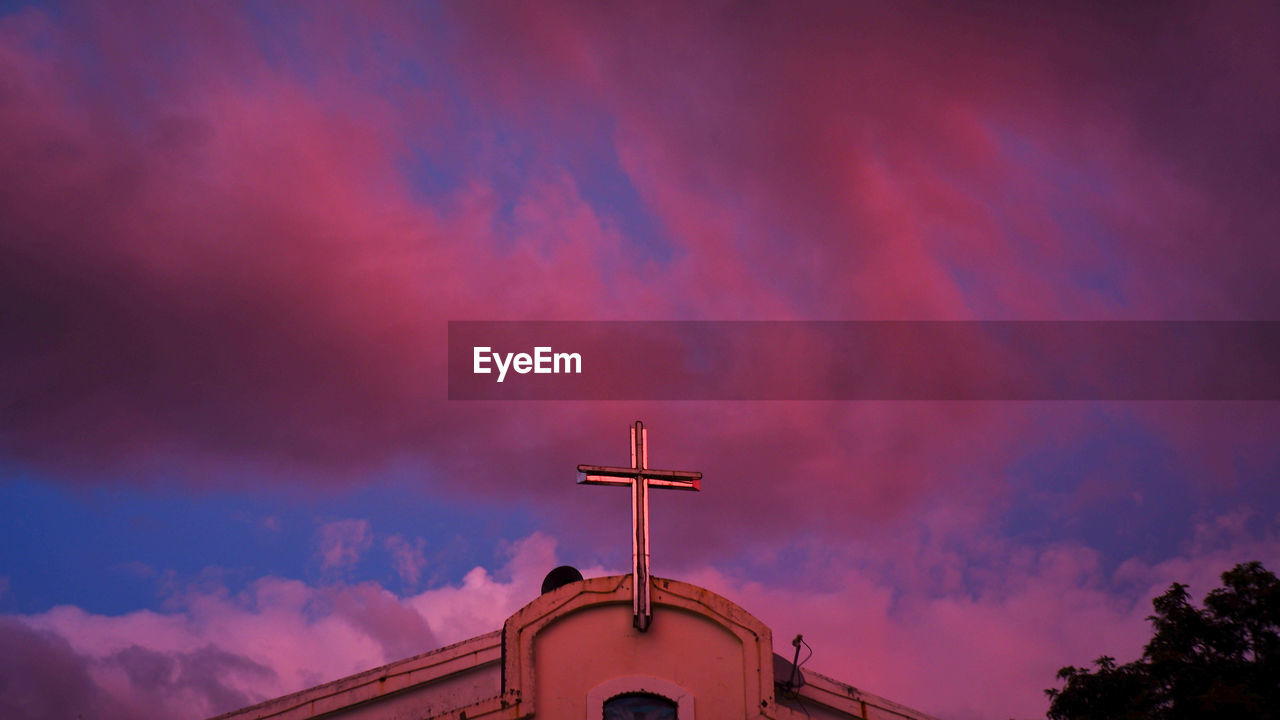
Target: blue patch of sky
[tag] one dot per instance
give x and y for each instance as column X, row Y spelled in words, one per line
column 607, row 187
column 468, row 138
column 431, row 177
column 1121, row 491
column 1103, row 272
column 978, row 298
column 275, row 29
column 373, row 58
column 114, row 550
column 515, row 155
column 964, row 276
column 507, row 153
column 9, row 7
column 1076, row 187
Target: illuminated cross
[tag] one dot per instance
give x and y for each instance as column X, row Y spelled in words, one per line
column 640, row 478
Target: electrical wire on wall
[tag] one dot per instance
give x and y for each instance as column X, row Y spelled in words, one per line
column 796, row 681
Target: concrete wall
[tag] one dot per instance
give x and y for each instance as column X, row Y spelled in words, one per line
column 597, row 644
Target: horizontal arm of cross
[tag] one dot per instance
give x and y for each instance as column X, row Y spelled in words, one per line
column 671, row 479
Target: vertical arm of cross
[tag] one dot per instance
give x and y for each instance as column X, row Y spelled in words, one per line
column 639, row 477
column 640, row 607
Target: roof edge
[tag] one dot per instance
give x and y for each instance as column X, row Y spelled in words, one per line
column 389, row 679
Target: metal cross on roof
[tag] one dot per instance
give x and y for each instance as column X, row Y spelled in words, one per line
column 639, row 477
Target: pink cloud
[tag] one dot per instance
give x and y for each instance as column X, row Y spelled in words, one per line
column 908, row 618
column 407, row 557
column 215, row 651
column 943, row 635
column 215, row 263
column 251, row 290
column 341, row 543
column 880, row 154
column 43, row 677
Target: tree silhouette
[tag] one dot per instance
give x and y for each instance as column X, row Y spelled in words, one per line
column 1222, row 661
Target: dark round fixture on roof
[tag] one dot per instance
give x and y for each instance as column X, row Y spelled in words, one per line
column 560, row 577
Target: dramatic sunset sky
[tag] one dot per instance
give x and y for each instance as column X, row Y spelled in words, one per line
column 231, row 237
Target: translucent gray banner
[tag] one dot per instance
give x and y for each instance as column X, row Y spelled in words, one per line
column 818, row 360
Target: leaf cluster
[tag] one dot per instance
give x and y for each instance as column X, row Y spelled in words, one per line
column 1219, row 661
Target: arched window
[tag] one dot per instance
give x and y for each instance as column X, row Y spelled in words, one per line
column 639, row 697
column 639, row 706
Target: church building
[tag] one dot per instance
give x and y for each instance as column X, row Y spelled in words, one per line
column 622, row 647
